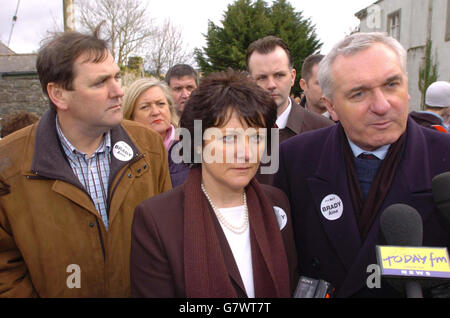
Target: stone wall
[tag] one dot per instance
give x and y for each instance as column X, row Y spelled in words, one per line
column 21, row 92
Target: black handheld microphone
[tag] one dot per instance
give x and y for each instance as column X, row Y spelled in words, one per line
column 401, row 225
column 440, row 186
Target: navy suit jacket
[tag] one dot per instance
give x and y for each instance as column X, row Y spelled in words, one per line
column 312, row 167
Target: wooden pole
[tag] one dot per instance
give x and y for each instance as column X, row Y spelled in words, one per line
column 69, row 17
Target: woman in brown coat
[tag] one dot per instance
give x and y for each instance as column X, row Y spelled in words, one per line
column 221, row 234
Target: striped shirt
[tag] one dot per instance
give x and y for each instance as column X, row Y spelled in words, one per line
column 93, row 172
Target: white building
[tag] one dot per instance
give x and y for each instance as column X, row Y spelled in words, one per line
column 413, row 22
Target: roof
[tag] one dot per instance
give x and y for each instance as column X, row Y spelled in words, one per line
column 18, row 63
column 5, row 50
column 10, row 62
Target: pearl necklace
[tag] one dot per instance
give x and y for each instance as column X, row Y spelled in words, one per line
column 235, row 229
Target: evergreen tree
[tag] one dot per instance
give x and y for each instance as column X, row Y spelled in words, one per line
column 297, row 32
column 246, row 21
column 243, row 23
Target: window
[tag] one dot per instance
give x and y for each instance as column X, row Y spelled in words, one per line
column 447, row 29
column 394, row 25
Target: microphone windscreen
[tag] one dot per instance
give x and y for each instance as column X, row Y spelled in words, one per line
column 401, row 225
column 440, row 186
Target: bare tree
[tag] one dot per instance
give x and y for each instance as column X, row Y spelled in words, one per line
column 127, row 26
column 165, row 49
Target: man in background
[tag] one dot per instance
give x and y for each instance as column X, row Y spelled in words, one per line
column 182, row 80
column 309, row 83
column 269, row 63
column 437, row 107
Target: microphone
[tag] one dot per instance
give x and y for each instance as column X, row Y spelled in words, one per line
column 440, row 186
column 401, row 225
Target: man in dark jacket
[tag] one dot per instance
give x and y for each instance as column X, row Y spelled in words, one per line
column 270, row 64
column 340, row 179
column 309, row 83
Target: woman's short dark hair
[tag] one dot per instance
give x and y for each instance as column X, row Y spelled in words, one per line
column 57, row 56
column 223, row 92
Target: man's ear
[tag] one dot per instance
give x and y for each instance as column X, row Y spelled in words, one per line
column 57, row 95
column 330, row 108
column 293, row 74
column 302, row 83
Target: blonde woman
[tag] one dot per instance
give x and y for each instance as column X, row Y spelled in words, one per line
column 149, row 102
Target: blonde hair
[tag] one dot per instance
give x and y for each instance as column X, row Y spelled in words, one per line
column 137, row 88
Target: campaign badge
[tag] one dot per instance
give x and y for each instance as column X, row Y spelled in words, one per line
column 122, row 151
column 332, row 207
column 281, row 217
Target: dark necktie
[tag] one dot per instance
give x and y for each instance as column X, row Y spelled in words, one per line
column 368, row 156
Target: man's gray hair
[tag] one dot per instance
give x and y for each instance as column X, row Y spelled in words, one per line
column 351, row 45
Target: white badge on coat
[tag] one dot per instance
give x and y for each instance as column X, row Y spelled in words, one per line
column 332, row 207
column 281, row 217
column 122, row 151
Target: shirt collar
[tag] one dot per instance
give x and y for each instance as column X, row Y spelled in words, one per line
column 283, row 118
column 105, row 145
column 170, row 137
column 380, row 153
column 326, row 114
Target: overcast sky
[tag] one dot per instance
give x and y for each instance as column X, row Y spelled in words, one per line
column 333, row 19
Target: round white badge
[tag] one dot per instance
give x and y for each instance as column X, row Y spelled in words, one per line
column 122, row 151
column 332, row 207
column 281, row 217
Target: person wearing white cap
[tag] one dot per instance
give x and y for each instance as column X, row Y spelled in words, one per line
column 437, row 112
